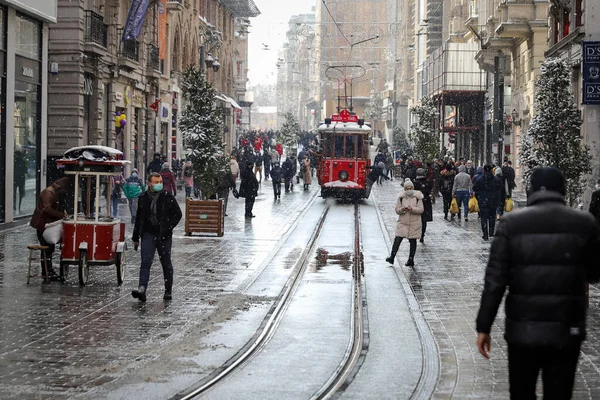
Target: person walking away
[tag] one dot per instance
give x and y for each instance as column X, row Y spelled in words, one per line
column 133, row 190
column 424, row 185
column 116, row 183
column 509, row 175
column 306, row 174
column 188, row 178
column 411, row 170
column 157, row 215
column 276, row 176
column 372, row 177
column 267, row 163
column 389, row 164
column 462, row 189
column 20, row 176
column 502, row 194
column 258, row 162
column 155, row 165
column 168, row 179
column 487, row 191
column 409, row 208
column 248, row 188
column 51, row 207
column 445, row 186
column 595, row 203
column 288, row 173
column 225, row 182
column 545, row 254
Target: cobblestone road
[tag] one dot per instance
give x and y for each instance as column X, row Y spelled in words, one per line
column 447, row 281
column 60, row 340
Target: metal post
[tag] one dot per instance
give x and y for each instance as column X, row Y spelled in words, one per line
column 202, row 56
column 499, row 65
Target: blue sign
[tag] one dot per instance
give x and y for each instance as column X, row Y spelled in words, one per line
column 135, row 19
column 591, row 73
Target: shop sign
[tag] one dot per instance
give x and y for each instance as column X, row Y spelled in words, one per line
column 591, row 72
column 27, row 70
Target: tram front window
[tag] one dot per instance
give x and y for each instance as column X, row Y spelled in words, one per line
column 339, row 147
column 345, row 146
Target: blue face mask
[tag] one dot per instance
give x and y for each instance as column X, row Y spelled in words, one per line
column 134, row 175
column 157, row 187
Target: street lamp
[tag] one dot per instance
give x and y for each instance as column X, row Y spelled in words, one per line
column 209, row 60
column 216, row 64
column 514, row 116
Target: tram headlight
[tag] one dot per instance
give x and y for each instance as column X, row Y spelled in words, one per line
column 343, row 176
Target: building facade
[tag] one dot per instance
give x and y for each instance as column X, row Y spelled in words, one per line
column 24, row 33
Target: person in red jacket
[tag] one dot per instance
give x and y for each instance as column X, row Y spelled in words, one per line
column 169, row 183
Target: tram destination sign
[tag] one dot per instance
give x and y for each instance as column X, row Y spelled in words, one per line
column 344, row 116
column 591, row 73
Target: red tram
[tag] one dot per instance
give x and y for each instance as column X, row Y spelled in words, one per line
column 344, row 156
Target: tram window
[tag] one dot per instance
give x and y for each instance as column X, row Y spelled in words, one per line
column 359, row 141
column 339, row 146
column 350, row 149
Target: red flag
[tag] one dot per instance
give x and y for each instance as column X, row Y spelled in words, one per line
column 154, row 106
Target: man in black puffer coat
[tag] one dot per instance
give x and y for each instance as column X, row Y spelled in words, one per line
column 545, row 255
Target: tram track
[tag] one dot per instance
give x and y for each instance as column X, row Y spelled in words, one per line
column 347, row 368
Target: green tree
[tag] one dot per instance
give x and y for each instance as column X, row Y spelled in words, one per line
column 554, row 135
column 422, row 133
column 201, row 126
column 399, row 139
column 374, row 108
column 290, row 131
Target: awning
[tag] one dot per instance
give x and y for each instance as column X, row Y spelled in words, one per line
column 222, row 97
column 234, row 104
column 226, row 99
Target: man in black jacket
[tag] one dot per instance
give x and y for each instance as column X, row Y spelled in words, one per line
column 155, row 165
column 545, row 255
column 595, row 203
column 157, row 215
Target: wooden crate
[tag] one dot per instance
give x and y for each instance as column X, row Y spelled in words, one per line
column 204, row 216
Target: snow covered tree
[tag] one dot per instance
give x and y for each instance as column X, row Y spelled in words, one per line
column 426, row 140
column 201, row 126
column 399, row 139
column 554, row 135
column 374, row 108
column 290, row 131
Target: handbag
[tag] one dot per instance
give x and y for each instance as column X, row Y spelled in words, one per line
column 508, row 206
column 454, row 206
column 473, row 205
column 235, row 193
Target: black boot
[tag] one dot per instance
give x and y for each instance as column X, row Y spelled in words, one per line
column 139, row 294
column 410, row 262
column 168, row 290
column 390, row 259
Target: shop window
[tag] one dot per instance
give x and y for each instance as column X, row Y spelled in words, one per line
column 28, row 38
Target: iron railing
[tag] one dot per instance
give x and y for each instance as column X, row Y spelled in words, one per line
column 130, row 49
column 153, row 57
column 96, row 31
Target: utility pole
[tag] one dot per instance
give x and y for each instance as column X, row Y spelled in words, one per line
column 498, row 131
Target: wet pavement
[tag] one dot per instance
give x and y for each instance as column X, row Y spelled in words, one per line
column 63, row 341
column 447, row 282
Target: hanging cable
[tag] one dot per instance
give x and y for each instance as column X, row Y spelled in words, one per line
column 335, row 22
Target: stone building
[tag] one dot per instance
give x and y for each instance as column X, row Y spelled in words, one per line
column 102, row 74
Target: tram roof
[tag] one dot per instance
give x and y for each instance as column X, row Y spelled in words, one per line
column 345, row 127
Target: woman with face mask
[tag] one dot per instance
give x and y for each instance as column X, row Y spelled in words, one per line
column 409, row 208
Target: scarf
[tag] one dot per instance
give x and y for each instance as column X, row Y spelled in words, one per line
column 153, row 207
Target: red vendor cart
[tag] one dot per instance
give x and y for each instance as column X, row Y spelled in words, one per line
column 90, row 238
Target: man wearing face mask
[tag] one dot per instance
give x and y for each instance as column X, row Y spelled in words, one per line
column 157, row 215
column 595, row 204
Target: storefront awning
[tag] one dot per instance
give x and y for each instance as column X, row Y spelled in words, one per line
column 234, row 104
column 226, row 99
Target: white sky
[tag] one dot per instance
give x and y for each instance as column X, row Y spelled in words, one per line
column 269, row 28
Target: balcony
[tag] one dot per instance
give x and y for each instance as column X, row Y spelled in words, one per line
column 473, row 18
column 175, row 5
column 129, row 53
column 95, row 34
column 517, row 18
column 153, row 61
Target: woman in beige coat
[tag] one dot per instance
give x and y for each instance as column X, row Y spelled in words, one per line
column 306, row 176
column 409, row 207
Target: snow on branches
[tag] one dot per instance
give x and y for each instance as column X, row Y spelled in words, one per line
column 554, row 135
column 422, row 133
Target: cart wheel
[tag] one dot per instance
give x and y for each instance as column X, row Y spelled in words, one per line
column 120, row 263
column 64, row 272
column 84, row 268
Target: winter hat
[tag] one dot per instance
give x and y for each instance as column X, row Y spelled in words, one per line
column 462, row 168
column 165, row 166
column 420, row 172
column 408, row 182
column 134, row 170
column 498, row 171
column 487, row 168
column 548, row 178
